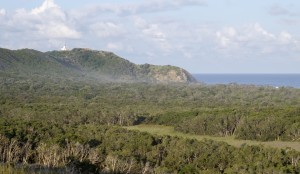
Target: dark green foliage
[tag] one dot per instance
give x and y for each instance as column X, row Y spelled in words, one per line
column 121, row 151
column 199, row 109
column 84, row 167
column 57, row 114
column 265, row 124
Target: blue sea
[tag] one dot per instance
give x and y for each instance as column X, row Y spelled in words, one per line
column 276, row 80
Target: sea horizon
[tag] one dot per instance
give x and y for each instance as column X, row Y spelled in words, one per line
column 258, row 79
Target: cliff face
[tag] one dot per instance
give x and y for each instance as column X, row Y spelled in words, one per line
column 166, row 74
column 87, row 63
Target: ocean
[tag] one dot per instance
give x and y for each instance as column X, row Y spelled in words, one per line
column 276, row 80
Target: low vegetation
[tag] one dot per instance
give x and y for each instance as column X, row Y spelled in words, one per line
column 231, row 140
column 95, row 148
column 58, row 119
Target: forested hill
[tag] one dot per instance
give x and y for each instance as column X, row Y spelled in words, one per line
column 86, row 63
column 56, row 118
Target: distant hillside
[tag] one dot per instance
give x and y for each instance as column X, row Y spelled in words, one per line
column 99, row 65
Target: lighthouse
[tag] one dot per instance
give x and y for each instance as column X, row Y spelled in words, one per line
column 64, row 48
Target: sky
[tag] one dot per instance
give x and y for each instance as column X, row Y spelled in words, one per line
column 201, row 36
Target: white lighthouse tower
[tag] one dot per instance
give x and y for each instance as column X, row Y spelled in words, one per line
column 64, row 48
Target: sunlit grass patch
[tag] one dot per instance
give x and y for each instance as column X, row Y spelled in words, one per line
column 169, row 130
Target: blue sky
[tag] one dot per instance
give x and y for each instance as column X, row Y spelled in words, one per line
column 202, row 36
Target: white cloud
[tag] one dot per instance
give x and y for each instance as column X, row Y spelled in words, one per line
column 57, row 30
column 243, row 35
column 285, row 37
column 254, row 39
column 114, row 46
column 261, row 32
column 163, row 5
column 153, row 32
column 107, row 29
column 2, row 12
column 144, row 6
column 140, row 22
column 52, row 22
column 38, row 25
column 48, row 4
column 118, row 46
column 226, row 37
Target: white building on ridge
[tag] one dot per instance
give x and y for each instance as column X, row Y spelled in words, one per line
column 64, row 48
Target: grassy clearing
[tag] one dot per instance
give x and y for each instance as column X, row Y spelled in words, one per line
column 169, row 130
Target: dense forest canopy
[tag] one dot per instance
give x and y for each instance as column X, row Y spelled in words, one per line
column 58, row 115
